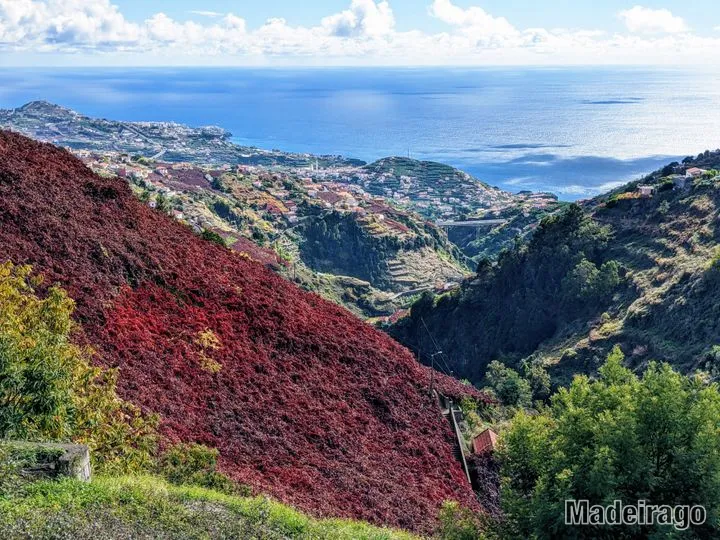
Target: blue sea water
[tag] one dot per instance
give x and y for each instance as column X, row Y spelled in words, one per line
column 573, row 131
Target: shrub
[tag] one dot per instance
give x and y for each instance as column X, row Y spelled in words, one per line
column 195, row 464
column 162, row 203
column 212, row 236
column 49, row 390
column 458, row 523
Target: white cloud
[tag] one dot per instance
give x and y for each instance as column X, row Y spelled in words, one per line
column 70, row 23
column 364, row 33
column 472, row 17
column 365, row 18
column 644, row 20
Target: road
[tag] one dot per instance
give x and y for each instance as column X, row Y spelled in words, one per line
column 475, row 224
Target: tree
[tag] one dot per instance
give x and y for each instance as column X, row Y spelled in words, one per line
column 587, row 281
column 48, row 388
column 509, row 387
column 620, row 437
column 538, row 378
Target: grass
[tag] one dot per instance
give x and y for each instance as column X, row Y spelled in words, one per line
column 149, row 507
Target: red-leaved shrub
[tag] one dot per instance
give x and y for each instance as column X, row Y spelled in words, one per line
column 303, row 400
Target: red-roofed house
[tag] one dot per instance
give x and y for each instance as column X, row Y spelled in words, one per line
column 485, row 442
column 694, row 172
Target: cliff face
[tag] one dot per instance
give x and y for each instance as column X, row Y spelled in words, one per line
column 303, row 400
column 389, row 254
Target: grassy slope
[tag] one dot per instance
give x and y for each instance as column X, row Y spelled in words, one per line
column 149, row 507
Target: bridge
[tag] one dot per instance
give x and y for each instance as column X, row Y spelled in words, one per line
column 474, row 223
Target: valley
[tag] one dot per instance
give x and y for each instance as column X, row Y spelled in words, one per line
column 636, row 268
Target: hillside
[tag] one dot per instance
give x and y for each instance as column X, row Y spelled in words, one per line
column 638, row 268
column 304, row 401
column 204, row 171
column 433, row 189
column 330, row 238
column 287, row 203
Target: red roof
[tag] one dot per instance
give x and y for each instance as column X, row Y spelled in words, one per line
column 485, row 442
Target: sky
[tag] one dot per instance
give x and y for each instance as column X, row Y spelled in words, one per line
column 43, row 33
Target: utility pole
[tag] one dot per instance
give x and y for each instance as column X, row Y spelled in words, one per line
column 432, row 371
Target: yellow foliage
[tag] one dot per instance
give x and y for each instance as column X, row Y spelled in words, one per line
column 208, row 341
column 48, row 388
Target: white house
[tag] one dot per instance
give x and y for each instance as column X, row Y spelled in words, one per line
column 646, row 191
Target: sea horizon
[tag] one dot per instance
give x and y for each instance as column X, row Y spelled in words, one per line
column 574, row 131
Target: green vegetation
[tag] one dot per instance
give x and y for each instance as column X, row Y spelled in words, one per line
column 162, row 203
column 508, row 386
column 212, row 236
column 458, row 523
column 149, row 507
column 49, row 391
column 195, row 464
column 560, row 275
column 620, row 437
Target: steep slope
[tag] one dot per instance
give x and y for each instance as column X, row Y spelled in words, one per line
column 304, row 401
column 639, row 271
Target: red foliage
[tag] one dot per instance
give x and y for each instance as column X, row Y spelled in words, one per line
column 310, row 405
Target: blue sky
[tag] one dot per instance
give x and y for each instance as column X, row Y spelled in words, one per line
column 411, row 14
column 358, row 32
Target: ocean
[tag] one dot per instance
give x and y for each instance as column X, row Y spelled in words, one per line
column 573, row 131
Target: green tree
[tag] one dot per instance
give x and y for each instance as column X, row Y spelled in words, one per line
column 538, row 378
column 620, row 437
column 509, row 387
column 48, row 388
column 587, row 281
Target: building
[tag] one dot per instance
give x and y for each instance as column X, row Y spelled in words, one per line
column 485, row 443
column 646, row 191
column 694, row 172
